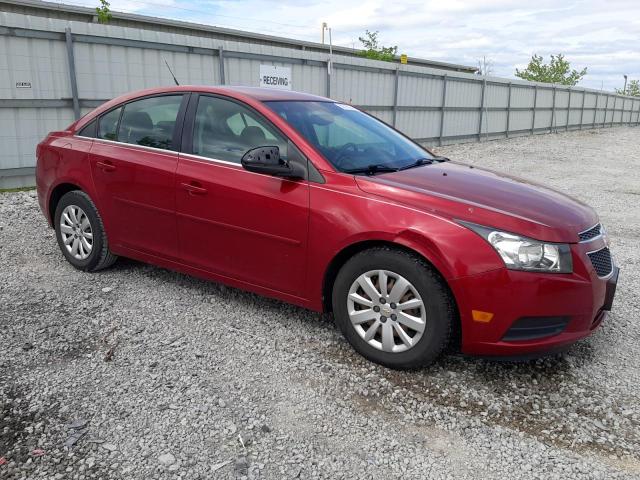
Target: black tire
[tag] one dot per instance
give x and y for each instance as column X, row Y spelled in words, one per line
column 100, row 256
column 438, row 304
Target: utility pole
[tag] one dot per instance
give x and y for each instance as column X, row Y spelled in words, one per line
column 328, row 29
column 330, row 59
column 624, row 90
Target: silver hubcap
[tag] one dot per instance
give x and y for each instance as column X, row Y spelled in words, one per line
column 386, row 311
column 76, row 231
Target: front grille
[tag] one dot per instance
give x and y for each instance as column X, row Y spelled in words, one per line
column 601, row 261
column 591, row 233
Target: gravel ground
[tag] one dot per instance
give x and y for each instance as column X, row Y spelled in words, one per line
column 204, row 381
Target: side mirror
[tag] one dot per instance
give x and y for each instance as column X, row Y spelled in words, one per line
column 267, row 160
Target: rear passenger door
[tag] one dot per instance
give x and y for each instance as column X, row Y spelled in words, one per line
column 133, row 163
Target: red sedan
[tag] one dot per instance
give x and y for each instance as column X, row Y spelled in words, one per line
column 316, row 203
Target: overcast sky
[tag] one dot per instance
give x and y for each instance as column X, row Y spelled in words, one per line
column 601, row 35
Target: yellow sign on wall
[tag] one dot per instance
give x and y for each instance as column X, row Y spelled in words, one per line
column 403, row 59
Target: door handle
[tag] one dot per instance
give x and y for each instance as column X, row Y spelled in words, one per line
column 194, row 189
column 106, row 166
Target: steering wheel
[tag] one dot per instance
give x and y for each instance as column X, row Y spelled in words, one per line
column 343, row 151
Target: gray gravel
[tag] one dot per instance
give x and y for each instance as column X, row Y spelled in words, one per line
column 206, row 381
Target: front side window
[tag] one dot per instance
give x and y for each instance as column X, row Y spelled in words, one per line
column 108, row 124
column 150, row 122
column 226, row 130
column 348, row 138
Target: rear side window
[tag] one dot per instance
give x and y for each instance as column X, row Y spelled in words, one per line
column 150, row 122
column 226, row 130
column 108, row 125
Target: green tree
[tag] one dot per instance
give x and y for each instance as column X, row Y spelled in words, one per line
column 633, row 89
column 103, row 11
column 373, row 50
column 557, row 71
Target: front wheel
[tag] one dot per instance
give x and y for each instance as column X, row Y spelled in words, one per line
column 80, row 233
column 393, row 308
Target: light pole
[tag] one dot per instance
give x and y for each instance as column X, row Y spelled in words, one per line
column 624, row 90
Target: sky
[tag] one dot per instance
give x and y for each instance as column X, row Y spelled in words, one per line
column 603, row 36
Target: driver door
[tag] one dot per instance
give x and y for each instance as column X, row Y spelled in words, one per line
column 234, row 223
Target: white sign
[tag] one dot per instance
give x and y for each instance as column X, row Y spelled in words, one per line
column 275, row 77
column 23, row 84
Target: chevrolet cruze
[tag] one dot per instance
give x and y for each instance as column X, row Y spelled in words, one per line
column 319, row 204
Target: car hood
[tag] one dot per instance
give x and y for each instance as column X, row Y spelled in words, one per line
column 487, row 198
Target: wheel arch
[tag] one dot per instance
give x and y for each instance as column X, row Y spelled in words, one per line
column 349, row 251
column 56, row 194
column 341, row 257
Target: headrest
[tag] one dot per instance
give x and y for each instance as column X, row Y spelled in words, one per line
column 137, row 120
column 253, row 136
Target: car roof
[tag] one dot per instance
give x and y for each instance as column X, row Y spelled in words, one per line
column 272, row 94
column 258, row 94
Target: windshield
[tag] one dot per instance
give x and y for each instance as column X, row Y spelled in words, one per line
column 348, row 138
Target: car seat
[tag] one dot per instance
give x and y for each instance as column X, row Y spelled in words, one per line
column 137, row 128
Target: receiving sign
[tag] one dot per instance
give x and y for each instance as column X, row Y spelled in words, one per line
column 275, row 77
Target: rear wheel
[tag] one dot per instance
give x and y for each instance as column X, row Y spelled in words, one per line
column 393, row 308
column 80, row 233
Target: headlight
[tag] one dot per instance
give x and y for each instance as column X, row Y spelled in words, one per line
column 521, row 253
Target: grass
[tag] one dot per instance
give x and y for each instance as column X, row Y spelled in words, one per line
column 12, row 190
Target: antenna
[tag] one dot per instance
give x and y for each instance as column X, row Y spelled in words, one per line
column 174, row 77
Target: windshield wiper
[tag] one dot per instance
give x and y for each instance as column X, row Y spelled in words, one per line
column 424, row 161
column 372, row 169
column 419, row 162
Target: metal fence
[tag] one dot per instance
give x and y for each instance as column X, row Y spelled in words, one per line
column 71, row 67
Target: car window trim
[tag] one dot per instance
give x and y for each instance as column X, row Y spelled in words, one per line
column 167, row 152
column 176, row 140
column 179, row 120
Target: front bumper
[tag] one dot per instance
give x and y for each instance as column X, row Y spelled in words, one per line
column 581, row 300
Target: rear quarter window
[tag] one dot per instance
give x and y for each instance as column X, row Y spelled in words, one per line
column 108, row 125
column 89, row 130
